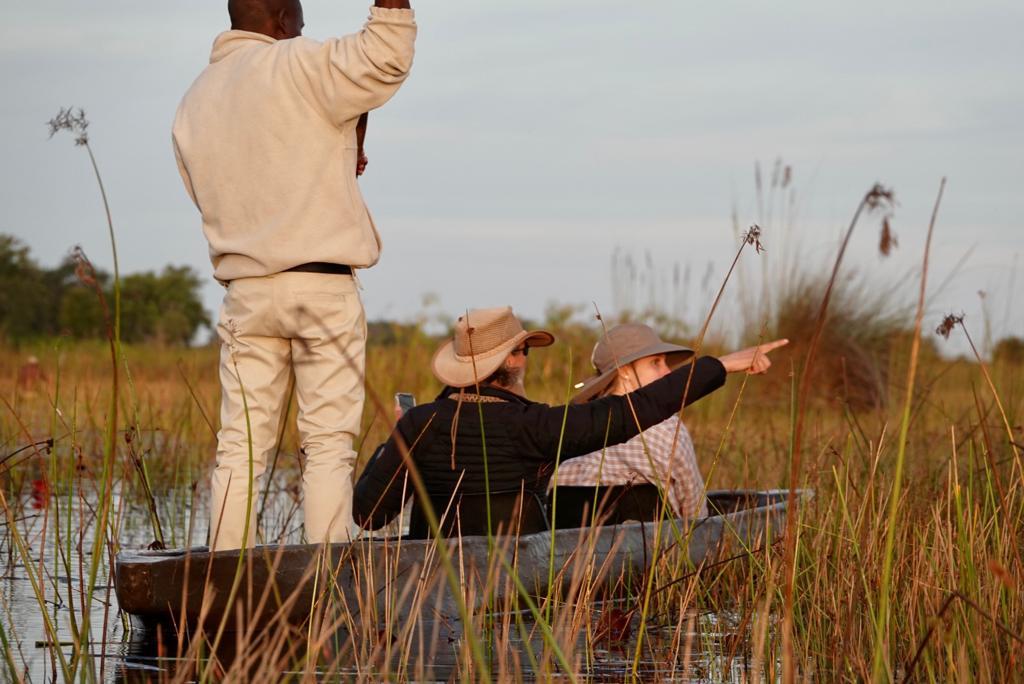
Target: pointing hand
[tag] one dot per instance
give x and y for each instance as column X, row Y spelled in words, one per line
column 752, row 360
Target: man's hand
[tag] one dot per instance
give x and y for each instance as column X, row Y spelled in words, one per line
column 752, row 360
column 361, row 160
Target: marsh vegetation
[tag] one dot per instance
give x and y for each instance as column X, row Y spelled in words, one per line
column 905, row 565
column 955, row 606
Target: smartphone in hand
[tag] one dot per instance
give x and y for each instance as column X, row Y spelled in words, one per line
column 403, row 402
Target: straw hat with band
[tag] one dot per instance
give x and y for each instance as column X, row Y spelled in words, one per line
column 482, row 341
column 621, row 346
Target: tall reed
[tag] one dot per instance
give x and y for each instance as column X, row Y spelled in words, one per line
column 77, row 124
column 874, row 198
column 882, row 631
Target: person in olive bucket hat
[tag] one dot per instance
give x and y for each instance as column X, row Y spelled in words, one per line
column 627, row 357
column 503, row 441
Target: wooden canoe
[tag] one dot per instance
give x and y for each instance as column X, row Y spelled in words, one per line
column 401, row 577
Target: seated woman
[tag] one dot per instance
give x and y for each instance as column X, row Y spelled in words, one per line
column 628, row 357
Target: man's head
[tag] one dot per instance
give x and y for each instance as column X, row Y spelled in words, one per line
column 488, row 346
column 511, row 375
column 280, row 19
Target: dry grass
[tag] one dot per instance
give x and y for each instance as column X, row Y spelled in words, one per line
column 959, row 526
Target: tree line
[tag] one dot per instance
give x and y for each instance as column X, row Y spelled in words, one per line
column 37, row 302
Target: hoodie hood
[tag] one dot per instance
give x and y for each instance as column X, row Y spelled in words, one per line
column 229, row 41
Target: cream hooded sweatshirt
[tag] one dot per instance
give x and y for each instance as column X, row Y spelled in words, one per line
column 266, row 144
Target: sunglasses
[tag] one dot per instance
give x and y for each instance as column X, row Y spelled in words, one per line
column 525, row 351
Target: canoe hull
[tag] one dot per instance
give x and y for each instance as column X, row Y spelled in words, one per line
column 400, row 577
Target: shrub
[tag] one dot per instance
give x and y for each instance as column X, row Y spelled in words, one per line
column 864, row 326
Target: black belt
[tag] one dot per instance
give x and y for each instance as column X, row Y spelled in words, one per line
column 321, row 267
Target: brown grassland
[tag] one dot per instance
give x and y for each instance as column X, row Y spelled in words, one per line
column 956, row 610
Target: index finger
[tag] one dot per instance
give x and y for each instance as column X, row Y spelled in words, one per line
column 769, row 346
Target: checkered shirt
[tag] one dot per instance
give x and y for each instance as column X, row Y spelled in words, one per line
column 674, row 469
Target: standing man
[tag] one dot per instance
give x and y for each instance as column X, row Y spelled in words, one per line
column 266, row 143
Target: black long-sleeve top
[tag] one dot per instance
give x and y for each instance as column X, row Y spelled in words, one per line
column 521, row 438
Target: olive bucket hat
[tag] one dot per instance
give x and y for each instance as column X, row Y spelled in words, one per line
column 482, row 341
column 621, row 346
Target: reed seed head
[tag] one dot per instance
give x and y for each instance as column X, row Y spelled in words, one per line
column 888, row 241
column 753, row 237
column 948, row 323
column 84, row 270
column 880, row 197
column 71, row 120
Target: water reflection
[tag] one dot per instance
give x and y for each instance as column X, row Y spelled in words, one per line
column 699, row 652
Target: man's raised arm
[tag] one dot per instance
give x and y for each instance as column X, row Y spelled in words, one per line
column 351, row 75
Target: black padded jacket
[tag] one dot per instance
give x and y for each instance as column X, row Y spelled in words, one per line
column 523, row 439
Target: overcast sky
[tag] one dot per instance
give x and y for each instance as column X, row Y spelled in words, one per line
column 533, row 139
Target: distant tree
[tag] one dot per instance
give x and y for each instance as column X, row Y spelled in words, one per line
column 58, row 282
column 80, row 313
column 77, row 310
column 1009, row 350
column 24, row 300
column 163, row 308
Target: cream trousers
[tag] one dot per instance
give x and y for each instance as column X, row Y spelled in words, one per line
column 310, row 326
